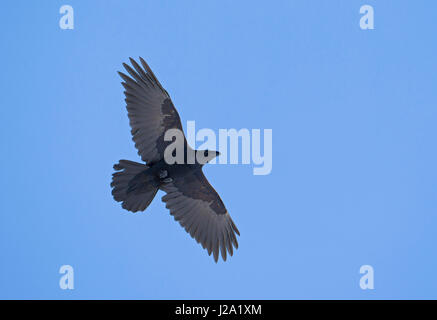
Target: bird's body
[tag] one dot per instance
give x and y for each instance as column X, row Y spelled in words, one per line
column 161, row 173
column 189, row 196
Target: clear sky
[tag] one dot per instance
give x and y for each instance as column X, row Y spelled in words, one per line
column 353, row 114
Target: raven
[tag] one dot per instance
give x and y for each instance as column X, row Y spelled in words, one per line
column 190, row 198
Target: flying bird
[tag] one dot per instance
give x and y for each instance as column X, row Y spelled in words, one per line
column 189, row 196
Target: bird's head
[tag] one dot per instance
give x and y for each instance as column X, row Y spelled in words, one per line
column 205, row 156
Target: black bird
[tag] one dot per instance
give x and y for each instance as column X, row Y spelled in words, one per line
column 189, row 196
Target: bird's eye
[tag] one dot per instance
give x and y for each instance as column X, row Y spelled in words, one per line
column 206, row 153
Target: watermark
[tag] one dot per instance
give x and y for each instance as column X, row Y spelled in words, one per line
column 367, row 281
column 367, row 20
column 218, row 310
column 67, row 280
column 234, row 147
column 67, row 20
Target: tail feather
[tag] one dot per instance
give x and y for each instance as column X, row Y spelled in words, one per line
column 132, row 186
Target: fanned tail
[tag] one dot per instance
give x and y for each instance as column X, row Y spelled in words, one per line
column 132, row 185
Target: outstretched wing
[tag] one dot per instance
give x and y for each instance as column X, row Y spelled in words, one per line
column 198, row 208
column 150, row 110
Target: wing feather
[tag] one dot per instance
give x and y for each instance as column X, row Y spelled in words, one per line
column 196, row 205
column 150, row 110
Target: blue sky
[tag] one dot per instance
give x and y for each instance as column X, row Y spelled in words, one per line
column 353, row 115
